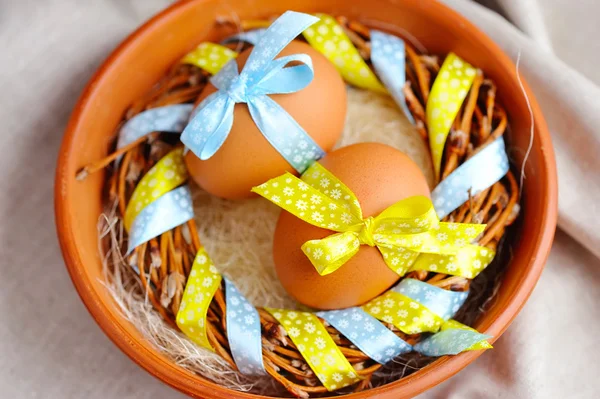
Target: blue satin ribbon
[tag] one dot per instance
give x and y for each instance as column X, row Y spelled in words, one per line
column 388, row 58
column 442, row 302
column 449, row 342
column 165, row 213
column 262, row 75
column 171, row 119
column 243, row 332
column 250, row 36
column 480, row 172
column 367, row 333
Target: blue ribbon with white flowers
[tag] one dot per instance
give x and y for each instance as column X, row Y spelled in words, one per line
column 262, row 75
column 442, row 302
column 243, row 332
column 480, row 172
column 171, row 119
column 452, row 340
column 165, row 213
column 388, row 58
column 454, row 337
column 367, row 333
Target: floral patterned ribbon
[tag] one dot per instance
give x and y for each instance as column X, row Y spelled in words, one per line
column 243, row 332
column 441, row 302
column 400, row 232
column 243, row 322
column 367, row 333
column 170, row 118
column 163, row 214
column 317, row 347
column 210, row 56
column 448, row 92
column 478, row 173
column 468, row 262
column 168, row 173
column 261, row 76
column 328, row 37
column 158, row 203
column 453, row 339
column 389, row 61
column 201, row 286
column 416, row 307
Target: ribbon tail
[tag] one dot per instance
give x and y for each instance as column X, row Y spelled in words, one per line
column 218, row 137
column 398, row 259
column 330, row 253
column 210, row 127
column 388, row 57
column 468, row 262
column 284, row 133
column 453, row 339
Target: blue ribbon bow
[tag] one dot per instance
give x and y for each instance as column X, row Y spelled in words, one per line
column 262, row 75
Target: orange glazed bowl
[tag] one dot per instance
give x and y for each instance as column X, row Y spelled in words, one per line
column 141, row 60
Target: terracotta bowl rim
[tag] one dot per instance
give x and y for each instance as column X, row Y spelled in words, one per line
column 191, row 384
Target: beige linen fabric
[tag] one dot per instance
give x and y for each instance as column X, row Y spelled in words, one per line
column 50, row 347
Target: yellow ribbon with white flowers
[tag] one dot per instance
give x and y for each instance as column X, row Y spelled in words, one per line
column 209, row 56
column 467, row 262
column 317, row 347
column 325, row 36
column 201, row 286
column 400, row 232
column 448, row 92
column 405, row 314
column 328, row 37
column 411, row 317
column 168, row 173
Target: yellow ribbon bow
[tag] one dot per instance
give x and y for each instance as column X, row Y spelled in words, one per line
column 400, row 232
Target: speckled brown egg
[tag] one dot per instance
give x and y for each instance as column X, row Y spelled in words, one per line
column 379, row 176
column 246, row 159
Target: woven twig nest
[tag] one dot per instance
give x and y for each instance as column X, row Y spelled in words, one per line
column 165, row 262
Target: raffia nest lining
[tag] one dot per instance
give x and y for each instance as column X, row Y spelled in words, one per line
column 239, row 237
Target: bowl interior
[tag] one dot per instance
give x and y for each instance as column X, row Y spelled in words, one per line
column 144, row 58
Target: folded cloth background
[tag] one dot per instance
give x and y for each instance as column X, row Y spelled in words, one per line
column 50, row 346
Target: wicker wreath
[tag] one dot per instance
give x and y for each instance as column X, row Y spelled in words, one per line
column 166, row 260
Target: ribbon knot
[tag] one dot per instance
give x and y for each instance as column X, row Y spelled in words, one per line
column 401, row 232
column 365, row 235
column 237, row 90
column 262, row 75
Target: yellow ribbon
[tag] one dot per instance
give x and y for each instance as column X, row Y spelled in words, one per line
column 405, row 314
column 467, row 262
column 447, row 95
column 325, row 36
column 202, row 283
column 400, row 232
column 168, row 173
column 328, row 37
column 209, row 56
column 317, row 348
column 411, row 317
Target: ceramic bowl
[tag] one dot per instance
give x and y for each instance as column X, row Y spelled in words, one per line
column 144, row 57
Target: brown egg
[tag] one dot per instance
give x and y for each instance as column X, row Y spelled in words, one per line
column 379, row 176
column 247, row 159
